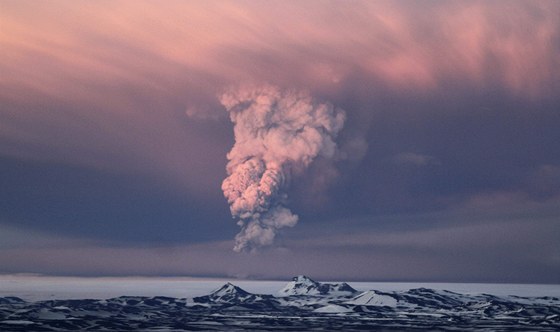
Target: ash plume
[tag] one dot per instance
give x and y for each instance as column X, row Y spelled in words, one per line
column 278, row 133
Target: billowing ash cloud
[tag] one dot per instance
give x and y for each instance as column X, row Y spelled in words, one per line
column 277, row 133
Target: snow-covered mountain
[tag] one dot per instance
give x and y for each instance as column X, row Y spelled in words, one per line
column 231, row 297
column 228, row 293
column 303, row 304
column 303, row 285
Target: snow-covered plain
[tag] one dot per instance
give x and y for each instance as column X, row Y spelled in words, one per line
column 37, row 288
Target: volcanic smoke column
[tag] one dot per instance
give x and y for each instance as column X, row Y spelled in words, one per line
column 277, row 133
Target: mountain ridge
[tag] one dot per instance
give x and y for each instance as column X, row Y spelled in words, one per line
column 232, row 308
column 303, row 285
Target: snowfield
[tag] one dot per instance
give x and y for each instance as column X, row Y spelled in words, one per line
column 302, row 304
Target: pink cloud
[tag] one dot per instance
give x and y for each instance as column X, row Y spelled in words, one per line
column 509, row 43
column 115, row 75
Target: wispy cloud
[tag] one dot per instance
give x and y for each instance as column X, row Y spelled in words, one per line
column 116, row 74
column 400, row 43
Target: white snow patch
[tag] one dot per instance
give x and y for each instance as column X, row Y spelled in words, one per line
column 17, row 322
column 372, row 298
column 332, row 309
column 61, row 307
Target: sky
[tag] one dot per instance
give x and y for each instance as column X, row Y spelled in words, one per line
column 443, row 165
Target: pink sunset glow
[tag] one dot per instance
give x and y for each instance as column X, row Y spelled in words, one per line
column 414, row 122
column 398, row 44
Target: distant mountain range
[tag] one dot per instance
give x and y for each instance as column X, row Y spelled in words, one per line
column 303, row 304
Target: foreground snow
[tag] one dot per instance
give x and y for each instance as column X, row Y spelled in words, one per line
column 303, row 304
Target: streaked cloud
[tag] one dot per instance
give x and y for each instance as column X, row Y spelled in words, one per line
column 401, row 44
